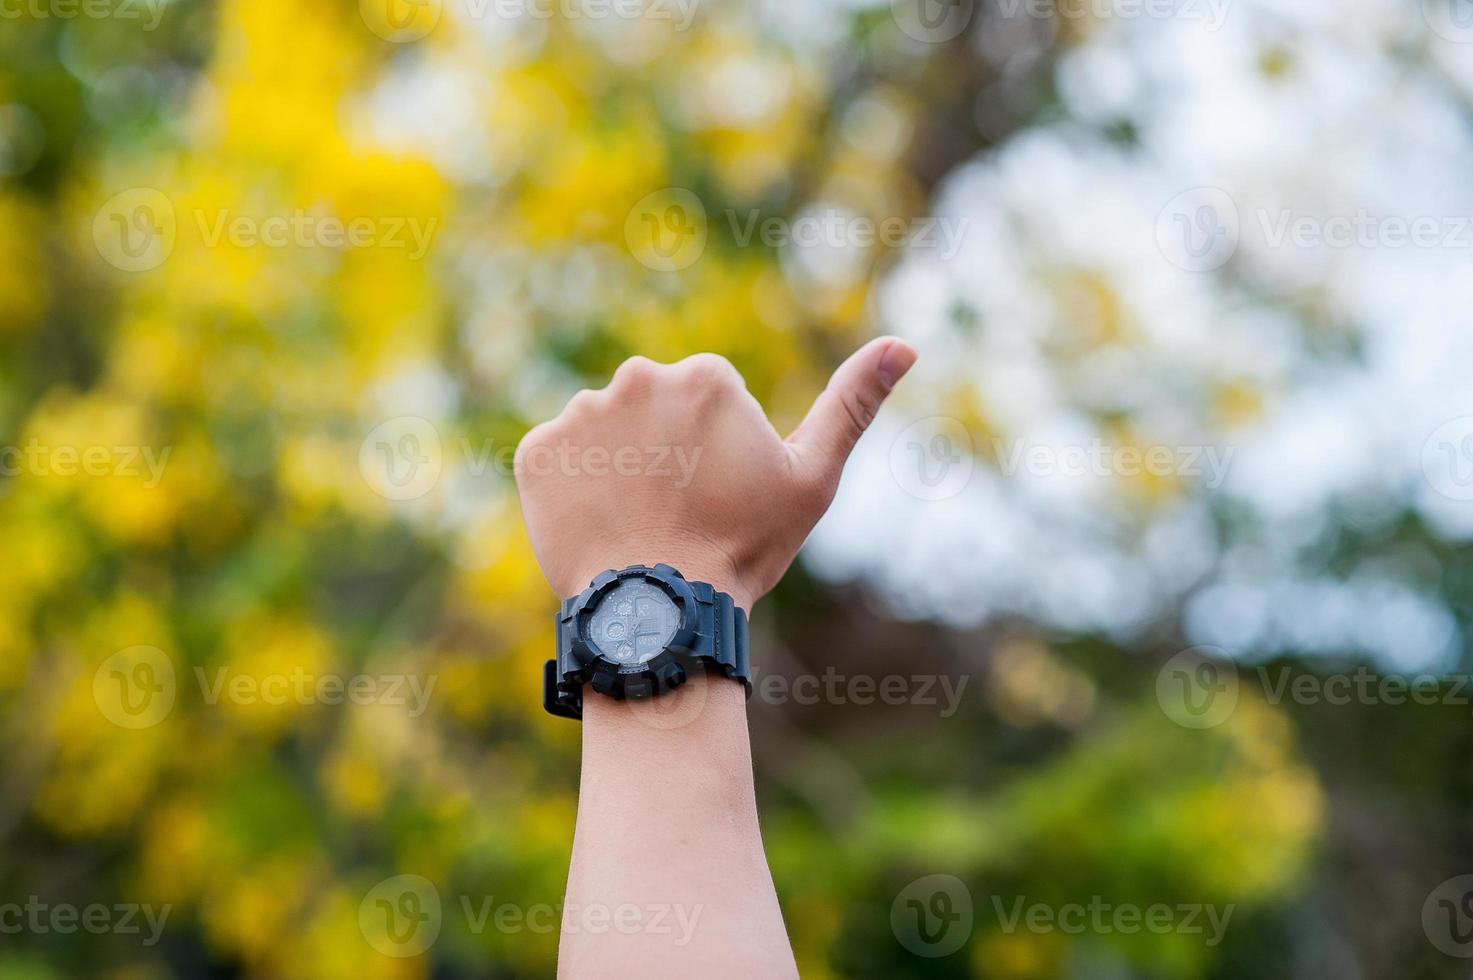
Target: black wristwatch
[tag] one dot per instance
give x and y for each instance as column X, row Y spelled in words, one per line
column 639, row 632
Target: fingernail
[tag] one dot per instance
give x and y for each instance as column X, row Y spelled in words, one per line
column 896, row 360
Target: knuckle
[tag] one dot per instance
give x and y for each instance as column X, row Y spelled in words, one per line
column 584, row 402
column 635, row 371
column 711, row 369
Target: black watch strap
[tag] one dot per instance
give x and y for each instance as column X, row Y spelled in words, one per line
column 720, row 647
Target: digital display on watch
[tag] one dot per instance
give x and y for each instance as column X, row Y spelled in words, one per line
column 633, row 623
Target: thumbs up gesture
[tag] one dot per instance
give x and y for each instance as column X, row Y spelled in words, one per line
column 677, row 463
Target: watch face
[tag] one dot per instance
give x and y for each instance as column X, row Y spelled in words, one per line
column 634, row 622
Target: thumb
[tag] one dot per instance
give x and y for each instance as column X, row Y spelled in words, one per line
column 824, row 439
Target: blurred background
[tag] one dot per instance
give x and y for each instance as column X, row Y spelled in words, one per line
column 1135, row 644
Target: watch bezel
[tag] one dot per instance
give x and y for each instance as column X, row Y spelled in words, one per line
column 663, row 671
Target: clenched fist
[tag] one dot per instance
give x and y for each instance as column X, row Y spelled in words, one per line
column 678, row 463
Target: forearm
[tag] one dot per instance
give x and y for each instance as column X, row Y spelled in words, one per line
column 667, row 824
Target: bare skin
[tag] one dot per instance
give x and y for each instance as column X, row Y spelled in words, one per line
column 668, row 876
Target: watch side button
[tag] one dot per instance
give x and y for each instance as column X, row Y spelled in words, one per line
column 672, row 676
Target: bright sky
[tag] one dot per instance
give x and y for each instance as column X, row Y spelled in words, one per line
column 1330, row 279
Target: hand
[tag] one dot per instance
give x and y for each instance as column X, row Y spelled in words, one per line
column 677, row 463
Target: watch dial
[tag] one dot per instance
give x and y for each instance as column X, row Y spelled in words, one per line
column 634, row 622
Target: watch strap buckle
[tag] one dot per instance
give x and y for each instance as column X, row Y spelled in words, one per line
column 555, row 699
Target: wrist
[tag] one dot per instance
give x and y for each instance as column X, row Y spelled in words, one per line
column 698, row 728
column 696, row 563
